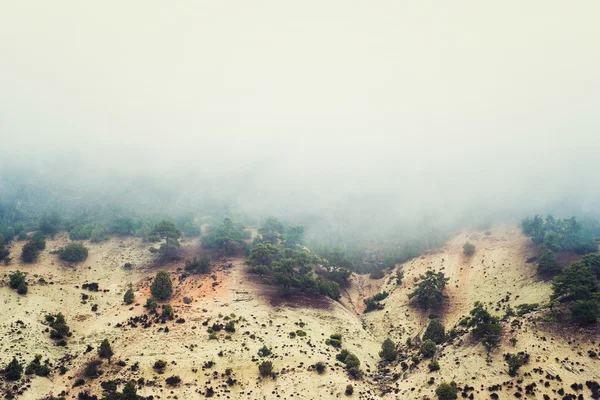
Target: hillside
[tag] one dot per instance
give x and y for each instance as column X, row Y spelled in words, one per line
column 226, row 367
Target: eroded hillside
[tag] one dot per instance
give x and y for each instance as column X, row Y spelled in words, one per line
column 296, row 330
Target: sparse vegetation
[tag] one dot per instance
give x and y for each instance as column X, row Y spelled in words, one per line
column 428, row 348
column 198, row 265
column 105, row 350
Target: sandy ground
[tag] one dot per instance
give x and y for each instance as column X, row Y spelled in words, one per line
column 496, row 270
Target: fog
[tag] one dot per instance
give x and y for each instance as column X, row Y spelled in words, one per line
column 363, row 111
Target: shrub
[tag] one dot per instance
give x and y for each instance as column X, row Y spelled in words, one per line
column 16, row 279
column 428, row 348
column 399, row 276
column 39, row 240
column 173, row 380
column 516, row 361
column 167, row 312
column 22, row 236
column 30, row 252
column 265, row 368
column 129, row 296
column 98, row 235
column 486, row 327
column 81, row 232
column 74, row 252
column 170, row 233
column 434, row 366
column 429, row 291
column 547, row 264
column 230, row 326
column 435, row 331
column 446, row 391
column 105, row 351
column 91, row 369
column 388, row 350
column 162, row 288
column 160, row 366
column 198, row 265
column 151, row 303
column 469, row 249
column 320, row 367
column 36, row 367
column 129, row 391
column 264, row 351
column 584, row 312
column 22, row 289
column 349, row 390
column 59, row 330
column 49, row 224
column 13, row 370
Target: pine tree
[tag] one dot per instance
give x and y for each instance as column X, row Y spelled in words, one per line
column 162, row 288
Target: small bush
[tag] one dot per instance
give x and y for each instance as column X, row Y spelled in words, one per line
column 349, row 390
column 151, row 304
column 129, row 296
column 13, row 370
column 320, row 367
column 230, row 327
column 173, row 380
column 428, row 348
column 388, row 350
column 73, row 252
column 446, row 391
column 92, row 369
column 160, row 366
column 377, row 274
column 584, row 312
column 264, row 351
column 167, row 312
column 265, row 368
column 162, row 287
column 469, row 249
column 434, row 366
column 105, row 351
column 198, row 265
column 16, row 279
column 435, row 331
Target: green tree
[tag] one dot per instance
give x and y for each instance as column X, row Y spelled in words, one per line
column 584, row 312
column 39, row 240
column 105, row 351
column 430, row 290
column 486, row 327
column 547, row 264
column 16, row 279
column 129, row 391
column 262, row 254
column 224, row 236
column 13, row 370
column 170, row 233
column 428, row 348
column 446, row 391
column 167, row 312
column 98, row 235
column 577, row 282
column 388, row 350
column 294, row 236
column 198, row 265
column 73, row 252
column 50, row 224
column 435, row 331
column 265, row 368
column 162, row 288
column 30, row 252
column 271, row 230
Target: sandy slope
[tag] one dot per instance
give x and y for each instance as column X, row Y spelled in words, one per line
column 496, row 270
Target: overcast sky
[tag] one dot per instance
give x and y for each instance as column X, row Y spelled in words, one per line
column 427, row 103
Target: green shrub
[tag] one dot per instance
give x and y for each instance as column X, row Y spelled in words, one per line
column 584, row 312
column 105, row 351
column 547, row 264
column 320, row 367
column 264, row 351
column 377, row 274
column 16, row 279
column 162, row 288
column 198, row 265
column 349, row 390
column 151, row 304
column 30, row 252
column 265, row 368
column 129, row 296
column 446, row 391
column 430, row 289
column 435, row 331
column 388, row 350
column 98, row 235
column 486, row 327
column 428, row 348
column 160, row 366
column 434, row 366
column 167, row 312
column 73, row 252
column 13, row 370
column 515, row 361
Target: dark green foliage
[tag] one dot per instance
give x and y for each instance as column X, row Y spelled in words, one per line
column 123, row 227
column 334, row 340
column 399, row 276
column 4, row 252
column 162, row 288
column 388, row 350
column 373, row 303
column 430, row 290
column 16, row 279
column 547, row 264
column 73, row 252
column 577, row 282
column 428, row 348
column 446, row 391
column 584, row 312
column 515, row 361
column 198, row 265
column 262, row 254
column 167, row 312
column 50, row 224
column 105, row 351
column 352, row 364
column 30, row 252
column 320, row 367
column 525, row 308
column 170, row 233
column 433, row 366
column 435, row 331
column 160, row 366
column 13, row 370
column 81, row 232
column 293, row 236
column 22, row 236
column 349, row 390
column 259, row 270
column 567, row 234
column 230, row 327
column 36, row 367
column 22, row 288
column 150, row 304
column 339, row 275
column 468, row 249
column 39, row 240
column 98, row 235
column 486, row 327
column 224, row 236
column 592, row 261
column 271, row 230
column 265, row 368
column 129, row 296
column 92, row 369
column 59, row 330
column 264, row 351
column 173, row 380
column 129, row 391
